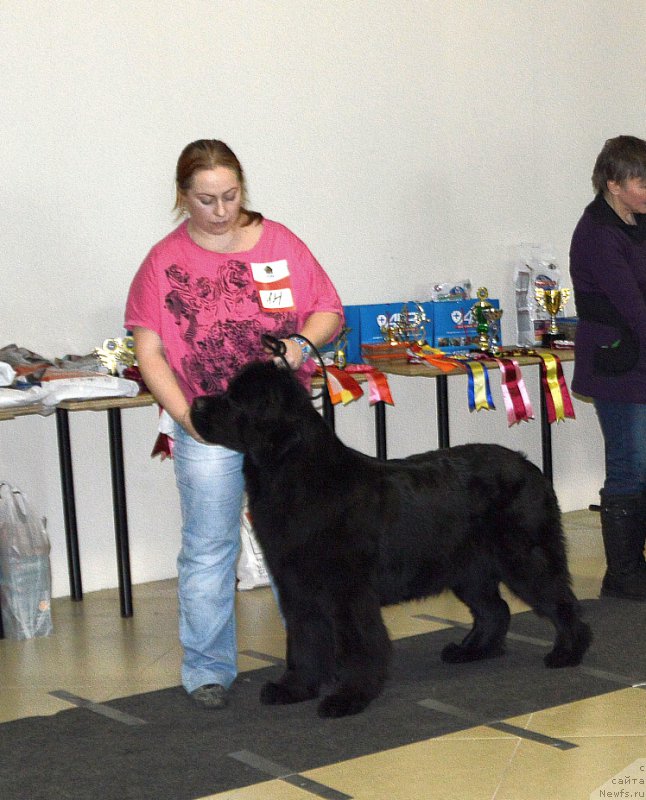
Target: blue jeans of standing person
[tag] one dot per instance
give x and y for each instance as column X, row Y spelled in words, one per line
column 624, row 432
column 210, row 483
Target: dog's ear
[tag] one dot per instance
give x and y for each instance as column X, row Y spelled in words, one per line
column 273, row 446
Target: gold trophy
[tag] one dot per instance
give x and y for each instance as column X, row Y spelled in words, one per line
column 552, row 301
column 409, row 326
column 115, row 354
column 340, row 348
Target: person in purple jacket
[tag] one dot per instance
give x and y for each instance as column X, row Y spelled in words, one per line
column 608, row 270
column 197, row 307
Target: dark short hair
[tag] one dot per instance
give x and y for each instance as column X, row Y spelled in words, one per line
column 209, row 154
column 622, row 158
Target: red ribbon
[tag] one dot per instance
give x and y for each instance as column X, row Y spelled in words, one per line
column 164, row 443
column 435, row 359
column 517, row 403
column 163, row 447
column 379, row 388
column 343, row 388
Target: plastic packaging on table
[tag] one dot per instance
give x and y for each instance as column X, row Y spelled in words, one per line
column 534, row 269
column 25, row 577
column 7, row 374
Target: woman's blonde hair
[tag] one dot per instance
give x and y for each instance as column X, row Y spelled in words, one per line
column 209, row 154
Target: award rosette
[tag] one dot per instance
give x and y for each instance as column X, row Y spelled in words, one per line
column 557, row 397
column 515, row 395
column 343, row 388
column 479, row 390
column 514, row 392
column 379, row 391
column 433, row 356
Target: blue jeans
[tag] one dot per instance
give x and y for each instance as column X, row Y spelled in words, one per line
column 210, row 483
column 624, row 432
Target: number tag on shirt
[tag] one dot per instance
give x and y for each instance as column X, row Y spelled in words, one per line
column 274, row 285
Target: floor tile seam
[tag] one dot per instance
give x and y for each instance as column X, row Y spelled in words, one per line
column 462, row 736
column 172, row 650
column 507, row 768
column 284, row 773
column 586, row 737
column 520, row 731
column 101, row 708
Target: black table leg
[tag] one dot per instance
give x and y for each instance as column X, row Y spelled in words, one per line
column 380, row 429
column 69, row 503
column 546, row 440
column 442, row 394
column 120, row 510
column 328, row 407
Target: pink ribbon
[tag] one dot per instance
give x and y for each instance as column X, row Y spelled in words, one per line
column 514, row 392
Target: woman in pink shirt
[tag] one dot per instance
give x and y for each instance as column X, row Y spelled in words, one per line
column 197, row 307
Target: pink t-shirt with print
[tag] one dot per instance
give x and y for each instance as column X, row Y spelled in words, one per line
column 210, row 309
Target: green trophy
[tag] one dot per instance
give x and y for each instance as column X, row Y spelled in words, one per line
column 487, row 321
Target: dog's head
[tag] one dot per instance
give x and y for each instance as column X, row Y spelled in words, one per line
column 261, row 414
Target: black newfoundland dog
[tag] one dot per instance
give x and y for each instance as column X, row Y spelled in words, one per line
column 344, row 533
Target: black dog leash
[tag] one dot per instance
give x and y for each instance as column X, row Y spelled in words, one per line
column 278, row 349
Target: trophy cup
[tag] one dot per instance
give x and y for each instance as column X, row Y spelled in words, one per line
column 410, row 326
column 552, row 301
column 340, row 349
column 487, row 318
column 493, row 315
column 116, row 354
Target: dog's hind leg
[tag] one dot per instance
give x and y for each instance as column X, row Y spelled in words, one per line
column 491, row 616
column 573, row 636
column 363, row 651
column 550, row 596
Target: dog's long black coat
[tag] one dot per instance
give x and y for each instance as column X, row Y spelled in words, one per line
column 344, row 534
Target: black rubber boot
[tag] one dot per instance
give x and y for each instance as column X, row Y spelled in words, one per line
column 622, row 528
column 643, row 535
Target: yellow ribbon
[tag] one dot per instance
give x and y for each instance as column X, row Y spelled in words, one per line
column 481, row 394
column 342, row 387
column 552, row 379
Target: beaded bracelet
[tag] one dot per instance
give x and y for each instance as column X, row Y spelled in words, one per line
column 306, row 349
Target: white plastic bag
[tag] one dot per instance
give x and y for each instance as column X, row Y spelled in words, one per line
column 88, row 388
column 7, row 374
column 534, row 269
column 251, row 570
column 10, row 398
column 25, row 578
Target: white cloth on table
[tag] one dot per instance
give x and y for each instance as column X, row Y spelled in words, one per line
column 51, row 393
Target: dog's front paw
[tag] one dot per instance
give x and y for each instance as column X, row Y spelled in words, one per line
column 280, row 694
column 343, row 704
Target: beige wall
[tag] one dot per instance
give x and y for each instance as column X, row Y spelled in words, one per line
column 404, row 141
